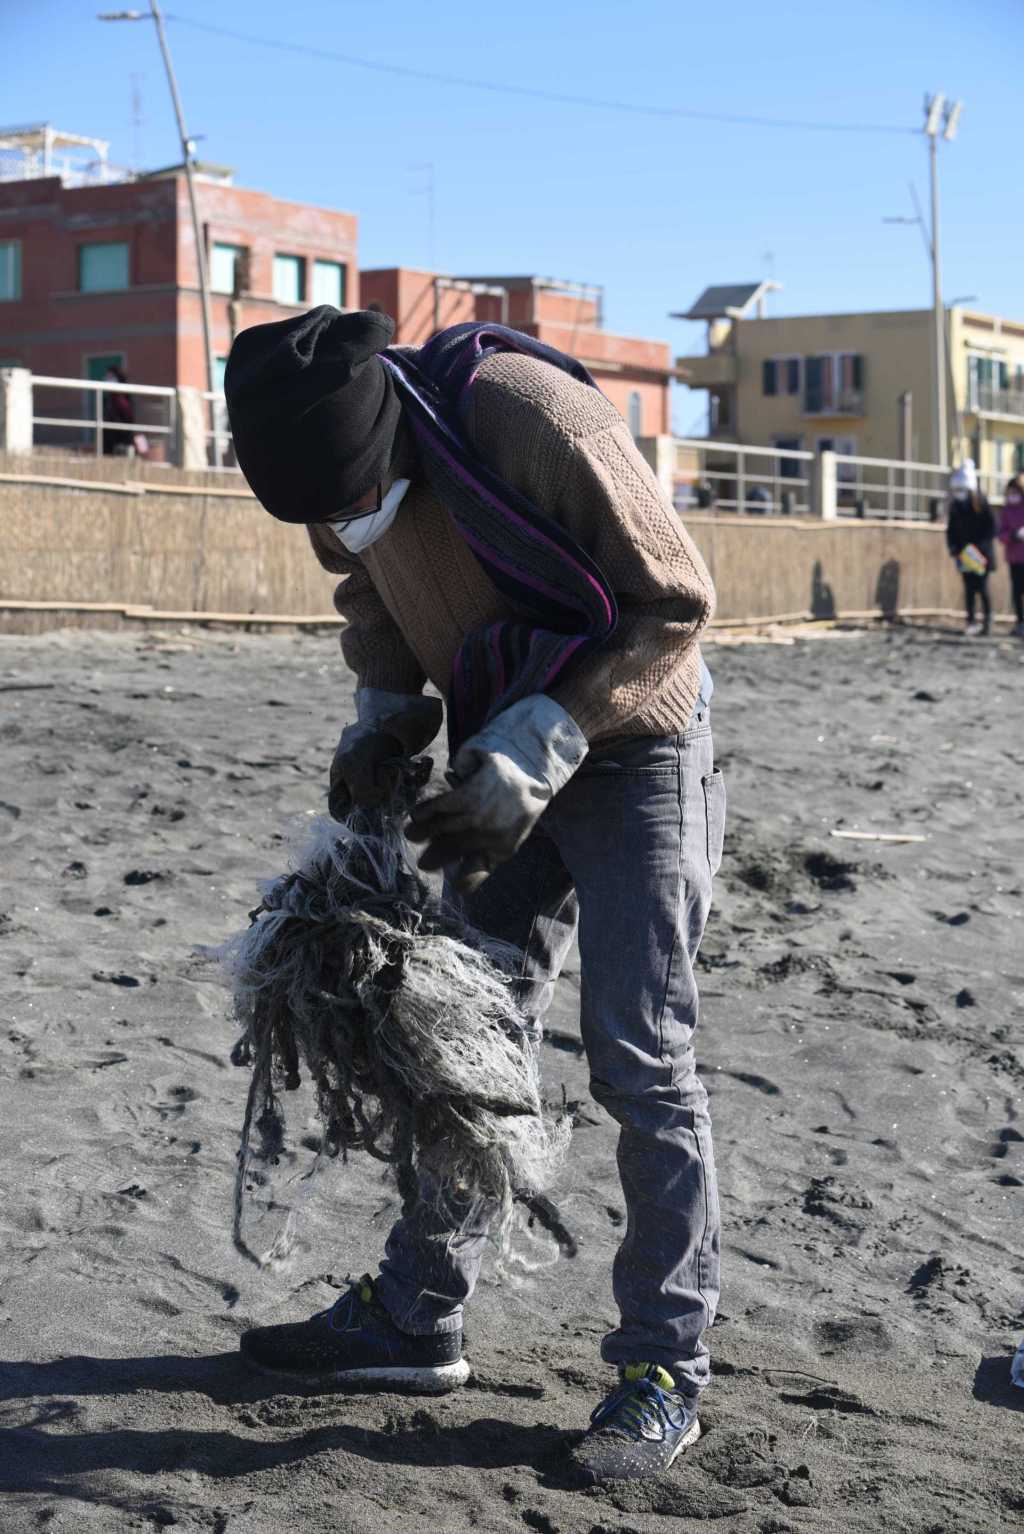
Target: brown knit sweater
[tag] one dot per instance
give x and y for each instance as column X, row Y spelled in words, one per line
column 411, row 598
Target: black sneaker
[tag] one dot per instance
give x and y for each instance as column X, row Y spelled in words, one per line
column 357, row 1342
column 639, row 1429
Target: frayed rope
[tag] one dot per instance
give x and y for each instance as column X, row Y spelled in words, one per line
column 404, row 1017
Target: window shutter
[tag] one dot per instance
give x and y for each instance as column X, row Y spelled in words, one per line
column 858, row 372
column 813, row 372
column 768, row 377
column 793, row 375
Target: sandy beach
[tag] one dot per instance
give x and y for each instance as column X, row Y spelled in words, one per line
column 861, row 1038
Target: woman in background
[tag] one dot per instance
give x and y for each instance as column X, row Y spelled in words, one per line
column 1011, row 535
column 970, row 537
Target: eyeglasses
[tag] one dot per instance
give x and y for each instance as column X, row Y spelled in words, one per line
column 344, row 517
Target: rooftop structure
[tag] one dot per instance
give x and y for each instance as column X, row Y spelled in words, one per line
column 40, row 150
column 635, row 373
column 730, row 301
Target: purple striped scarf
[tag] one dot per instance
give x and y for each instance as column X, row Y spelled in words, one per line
column 563, row 604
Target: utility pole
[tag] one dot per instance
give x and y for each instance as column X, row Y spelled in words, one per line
column 939, row 116
column 187, row 151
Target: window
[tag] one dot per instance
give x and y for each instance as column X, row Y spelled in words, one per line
column 219, row 364
column 329, row 283
column 1003, row 455
column 790, row 468
column 846, row 447
column 103, row 268
column 834, row 384
column 10, row 271
column 289, row 279
column 780, row 375
column 636, row 413
column 224, row 264
column 98, row 366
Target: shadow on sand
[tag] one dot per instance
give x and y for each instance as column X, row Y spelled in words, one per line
column 46, row 1455
column 992, row 1384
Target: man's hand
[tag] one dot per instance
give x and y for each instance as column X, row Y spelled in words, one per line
column 481, row 822
column 391, row 728
column 505, row 778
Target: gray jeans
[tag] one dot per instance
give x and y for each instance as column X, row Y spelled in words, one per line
column 626, row 853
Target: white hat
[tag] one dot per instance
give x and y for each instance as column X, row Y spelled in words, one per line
column 965, row 477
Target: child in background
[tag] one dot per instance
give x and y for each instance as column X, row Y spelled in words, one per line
column 970, row 537
column 1011, row 535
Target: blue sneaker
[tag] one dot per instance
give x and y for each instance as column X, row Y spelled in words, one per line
column 640, row 1429
column 356, row 1342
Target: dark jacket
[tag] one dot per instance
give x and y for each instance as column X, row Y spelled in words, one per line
column 972, row 521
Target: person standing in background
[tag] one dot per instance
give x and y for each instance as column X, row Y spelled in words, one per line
column 970, row 538
column 1011, row 535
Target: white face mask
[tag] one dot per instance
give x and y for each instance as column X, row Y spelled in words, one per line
column 357, row 535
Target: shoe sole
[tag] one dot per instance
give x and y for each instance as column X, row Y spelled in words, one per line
column 432, row 1381
column 689, row 1437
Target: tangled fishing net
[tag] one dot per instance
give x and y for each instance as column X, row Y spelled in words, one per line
column 406, row 1021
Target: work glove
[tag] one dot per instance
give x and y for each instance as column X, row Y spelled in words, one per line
column 390, row 726
column 504, row 778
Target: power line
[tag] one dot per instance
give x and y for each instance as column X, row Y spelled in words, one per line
column 600, row 103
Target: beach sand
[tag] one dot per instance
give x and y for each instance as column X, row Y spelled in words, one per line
column 860, row 1037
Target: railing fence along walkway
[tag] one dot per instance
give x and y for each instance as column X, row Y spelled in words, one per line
column 189, row 428
column 736, row 478
column 178, row 426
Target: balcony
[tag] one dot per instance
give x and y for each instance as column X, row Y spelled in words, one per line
column 1006, row 403
column 848, row 402
column 710, row 370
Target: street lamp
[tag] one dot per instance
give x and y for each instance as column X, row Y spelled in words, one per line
column 188, row 151
column 945, row 117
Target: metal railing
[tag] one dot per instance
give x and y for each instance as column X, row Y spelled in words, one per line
column 732, row 477
column 993, row 401
column 900, row 490
column 773, row 481
column 154, row 416
column 220, row 450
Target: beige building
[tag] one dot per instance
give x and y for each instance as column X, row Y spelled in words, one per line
column 859, row 384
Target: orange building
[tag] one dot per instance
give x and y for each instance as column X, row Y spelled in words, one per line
column 635, row 374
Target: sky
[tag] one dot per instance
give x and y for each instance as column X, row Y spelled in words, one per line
column 653, row 204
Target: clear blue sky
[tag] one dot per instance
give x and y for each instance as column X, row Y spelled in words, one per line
column 653, row 207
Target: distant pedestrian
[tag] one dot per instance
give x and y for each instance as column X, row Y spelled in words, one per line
column 119, row 434
column 1011, row 535
column 970, row 537
column 118, row 415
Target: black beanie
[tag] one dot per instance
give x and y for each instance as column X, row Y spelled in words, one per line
column 313, row 410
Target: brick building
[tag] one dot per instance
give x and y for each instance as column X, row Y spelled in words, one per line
column 635, row 374
column 98, row 267
column 99, row 272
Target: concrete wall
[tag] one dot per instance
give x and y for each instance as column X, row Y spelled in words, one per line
column 181, row 549
column 196, row 548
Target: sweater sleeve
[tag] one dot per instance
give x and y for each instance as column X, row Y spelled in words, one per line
column 566, row 447
column 371, row 641
column 613, row 506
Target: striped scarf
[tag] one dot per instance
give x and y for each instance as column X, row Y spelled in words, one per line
column 564, row 605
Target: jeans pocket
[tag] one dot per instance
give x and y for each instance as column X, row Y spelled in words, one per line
column 714, row 811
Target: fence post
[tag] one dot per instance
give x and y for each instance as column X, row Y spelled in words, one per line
column 824, row 503
column 660, row 455
column 15, row 410
column 190, row 436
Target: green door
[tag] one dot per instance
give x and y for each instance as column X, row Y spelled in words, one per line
column 96, row 367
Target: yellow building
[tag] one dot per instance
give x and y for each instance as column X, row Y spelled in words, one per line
column 860, row 384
